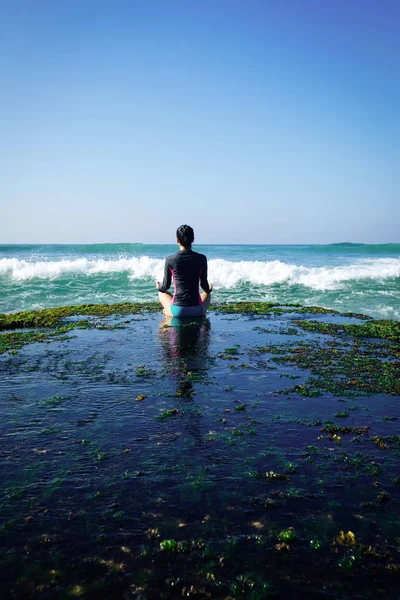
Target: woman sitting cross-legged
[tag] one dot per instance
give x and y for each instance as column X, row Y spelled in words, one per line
column 188, row 269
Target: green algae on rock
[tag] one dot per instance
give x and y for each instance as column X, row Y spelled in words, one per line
column 386, row 330
column 51, row 317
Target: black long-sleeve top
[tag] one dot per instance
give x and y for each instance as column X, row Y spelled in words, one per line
column 187, row 268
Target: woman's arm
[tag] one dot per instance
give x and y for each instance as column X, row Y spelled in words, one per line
column 203, row 278
column 166, row 284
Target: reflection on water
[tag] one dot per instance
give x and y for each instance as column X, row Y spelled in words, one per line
column 185, row 344
column 185, row 347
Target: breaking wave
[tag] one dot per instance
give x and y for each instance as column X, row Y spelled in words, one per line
column 223, row 273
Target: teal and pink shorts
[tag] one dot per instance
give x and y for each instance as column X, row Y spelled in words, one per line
column 187, row 311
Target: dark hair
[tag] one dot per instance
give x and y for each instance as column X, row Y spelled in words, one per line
column 185, row 236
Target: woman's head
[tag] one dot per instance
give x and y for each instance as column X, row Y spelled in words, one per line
column 185, row 236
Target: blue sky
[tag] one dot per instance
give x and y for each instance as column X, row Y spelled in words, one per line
column 255, row 122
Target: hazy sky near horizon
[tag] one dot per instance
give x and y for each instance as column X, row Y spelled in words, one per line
column 254, row 121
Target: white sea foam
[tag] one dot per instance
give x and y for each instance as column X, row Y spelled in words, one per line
column 223, row 273
column 137, row 268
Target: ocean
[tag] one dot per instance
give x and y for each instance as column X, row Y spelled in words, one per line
column 347, row 277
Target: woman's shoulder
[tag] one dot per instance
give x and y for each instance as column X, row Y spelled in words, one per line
column 199, row 255
column 172, row 257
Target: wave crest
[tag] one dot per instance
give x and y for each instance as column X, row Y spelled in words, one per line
column 223, row 273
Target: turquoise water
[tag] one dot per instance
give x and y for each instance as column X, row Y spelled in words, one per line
column 347, row 277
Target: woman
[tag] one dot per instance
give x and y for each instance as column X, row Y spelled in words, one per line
column 187, row 268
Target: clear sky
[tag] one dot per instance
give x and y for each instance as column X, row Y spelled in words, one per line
column 255, row 121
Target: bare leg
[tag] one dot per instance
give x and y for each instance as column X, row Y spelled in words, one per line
column 206, row 299
column 165, row 298
column 166, row 322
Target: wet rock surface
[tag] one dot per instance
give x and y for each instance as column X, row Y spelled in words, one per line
column 251, row 454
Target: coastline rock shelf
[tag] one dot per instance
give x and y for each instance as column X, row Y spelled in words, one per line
column 254, row 453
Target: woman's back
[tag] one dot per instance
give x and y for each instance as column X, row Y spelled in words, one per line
column 188, row 269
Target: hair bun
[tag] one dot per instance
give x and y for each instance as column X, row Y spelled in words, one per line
column 185, row 235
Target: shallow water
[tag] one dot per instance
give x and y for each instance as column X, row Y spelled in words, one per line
column 186, row 490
